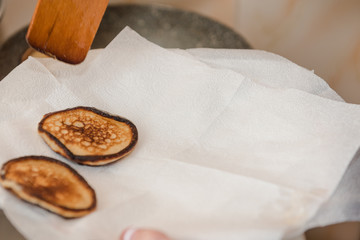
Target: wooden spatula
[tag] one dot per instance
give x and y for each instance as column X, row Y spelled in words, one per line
column 65, row 29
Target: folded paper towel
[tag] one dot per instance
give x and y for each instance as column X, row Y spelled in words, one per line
column 233, row 144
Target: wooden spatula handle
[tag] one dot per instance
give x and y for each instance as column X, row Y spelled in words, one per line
column 65, row 29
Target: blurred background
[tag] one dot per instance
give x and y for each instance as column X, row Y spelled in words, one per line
column 321, row 35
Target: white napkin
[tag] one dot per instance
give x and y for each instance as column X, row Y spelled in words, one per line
column 233, row 144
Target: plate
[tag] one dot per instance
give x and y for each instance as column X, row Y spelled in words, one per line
column 166, row 26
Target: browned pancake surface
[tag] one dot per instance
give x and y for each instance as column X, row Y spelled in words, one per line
column 49, row 184
column 87, row 132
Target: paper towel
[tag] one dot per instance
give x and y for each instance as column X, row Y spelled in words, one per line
column 233, row 144
column 344, row 204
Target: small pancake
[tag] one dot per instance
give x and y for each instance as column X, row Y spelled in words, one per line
column 88, row 136
column 50, row 184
